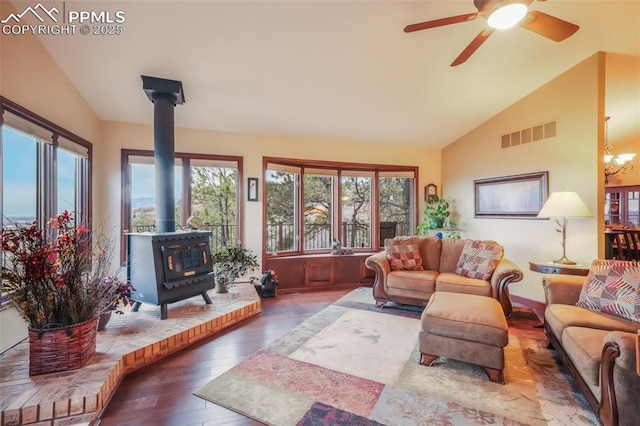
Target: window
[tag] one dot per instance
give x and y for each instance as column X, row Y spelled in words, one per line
column 282, row 208
column 45, row 170
column 19, row 178
column 214, row 198
column 318, row 209
column 396, row 193
column 356, row 209
column 206, row 186
column 310, row 204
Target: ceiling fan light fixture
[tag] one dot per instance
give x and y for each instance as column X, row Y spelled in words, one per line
column 507, row 16
column 627, row 156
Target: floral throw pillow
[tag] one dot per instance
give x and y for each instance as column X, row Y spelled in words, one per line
column 612, row 287
column 479, row 259
column 403, row 253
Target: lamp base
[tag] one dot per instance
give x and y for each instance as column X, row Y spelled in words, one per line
column 564, row 261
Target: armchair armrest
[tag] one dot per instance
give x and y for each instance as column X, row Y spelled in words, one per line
column 380, row 264
column 506, row 273
column 619, row 381
column 626, row 343
column 562, row 289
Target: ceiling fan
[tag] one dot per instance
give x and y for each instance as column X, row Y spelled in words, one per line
column 501, row 14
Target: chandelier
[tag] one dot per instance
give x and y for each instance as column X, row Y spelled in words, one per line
column 614, row 164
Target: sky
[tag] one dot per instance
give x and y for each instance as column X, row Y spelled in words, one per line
column 19, row 176
column 143, row 181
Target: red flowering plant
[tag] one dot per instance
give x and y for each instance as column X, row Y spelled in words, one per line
column 62, row 279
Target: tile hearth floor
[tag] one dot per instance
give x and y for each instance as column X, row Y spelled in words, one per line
column 129, row 342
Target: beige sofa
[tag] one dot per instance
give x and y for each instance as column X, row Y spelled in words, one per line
column 439, row 260
column 599, row 350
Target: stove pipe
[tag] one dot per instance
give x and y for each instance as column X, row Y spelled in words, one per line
column 165, row 95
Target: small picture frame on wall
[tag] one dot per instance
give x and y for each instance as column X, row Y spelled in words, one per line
column 252, row 189
column 431, row 192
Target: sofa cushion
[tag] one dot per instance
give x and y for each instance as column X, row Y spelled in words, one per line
column 558, row 317
column 479, row 259
column 454, row 283
column 430, row 249
column 403, row 253
column 420, row 281
column 450, row 254
column 613, row 287
column 415, row 285
column 584, row 347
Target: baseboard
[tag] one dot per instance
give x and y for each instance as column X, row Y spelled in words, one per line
column 529, row 303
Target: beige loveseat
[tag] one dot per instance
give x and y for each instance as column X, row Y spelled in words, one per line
column 439, row 260
column 599, row 349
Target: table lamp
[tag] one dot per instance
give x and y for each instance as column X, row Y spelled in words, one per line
column 561, row 206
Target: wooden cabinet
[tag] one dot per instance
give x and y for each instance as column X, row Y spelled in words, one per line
column 622, row 205
column 316, row 272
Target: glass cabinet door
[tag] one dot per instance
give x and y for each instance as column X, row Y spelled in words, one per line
column 633, row 207
column 622, row 206
column 612, row 207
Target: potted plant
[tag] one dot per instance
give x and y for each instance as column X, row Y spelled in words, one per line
column 230, row 263
column 59, row 284
column 123, row 289
column 437, row 216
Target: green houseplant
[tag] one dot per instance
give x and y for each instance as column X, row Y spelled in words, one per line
column 230, row 263
column 436, row 215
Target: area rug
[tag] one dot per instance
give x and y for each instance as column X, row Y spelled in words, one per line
column 355, row 364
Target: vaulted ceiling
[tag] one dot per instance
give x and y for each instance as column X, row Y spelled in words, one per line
column 341, row 70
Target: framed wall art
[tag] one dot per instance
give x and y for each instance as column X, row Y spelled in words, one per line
column 252, row 189
column 517, row 196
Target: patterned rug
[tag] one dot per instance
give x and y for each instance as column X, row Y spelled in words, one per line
column 354, row 364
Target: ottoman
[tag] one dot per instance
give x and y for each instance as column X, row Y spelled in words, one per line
column 467, row 328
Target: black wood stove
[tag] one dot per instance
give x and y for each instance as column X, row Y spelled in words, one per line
column 169, row 265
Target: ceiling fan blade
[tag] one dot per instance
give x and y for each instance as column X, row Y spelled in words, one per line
column 441, row 22
column 548, row 26
column 473, row 46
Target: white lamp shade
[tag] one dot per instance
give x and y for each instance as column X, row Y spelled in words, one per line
column 626, row 157
column 564, row 204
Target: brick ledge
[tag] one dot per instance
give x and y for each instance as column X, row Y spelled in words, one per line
column 131, row 341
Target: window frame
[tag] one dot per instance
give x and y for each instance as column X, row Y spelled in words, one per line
column 47, row 178
column 378, row 171
column 185, row 159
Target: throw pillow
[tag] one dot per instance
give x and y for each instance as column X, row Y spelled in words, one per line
column 479, row 259
column 612, row 287
column 403, row 253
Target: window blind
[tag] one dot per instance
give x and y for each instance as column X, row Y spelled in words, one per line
column 26, row 127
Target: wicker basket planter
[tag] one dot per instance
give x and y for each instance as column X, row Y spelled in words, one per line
column 61, row 348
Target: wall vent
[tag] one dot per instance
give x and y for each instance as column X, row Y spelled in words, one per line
column 530, row 134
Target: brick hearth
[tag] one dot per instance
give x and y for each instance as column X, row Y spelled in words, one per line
column 129, row 342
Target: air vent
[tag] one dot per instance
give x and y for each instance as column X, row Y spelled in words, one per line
column 530, row 134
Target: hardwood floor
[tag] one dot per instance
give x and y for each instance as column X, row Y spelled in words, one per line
column 162, row 393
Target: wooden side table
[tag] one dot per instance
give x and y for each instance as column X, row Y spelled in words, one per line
column 557, row 268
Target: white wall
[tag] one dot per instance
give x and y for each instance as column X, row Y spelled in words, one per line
column 574, row 100
column 118, row 135
column 30, row 77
